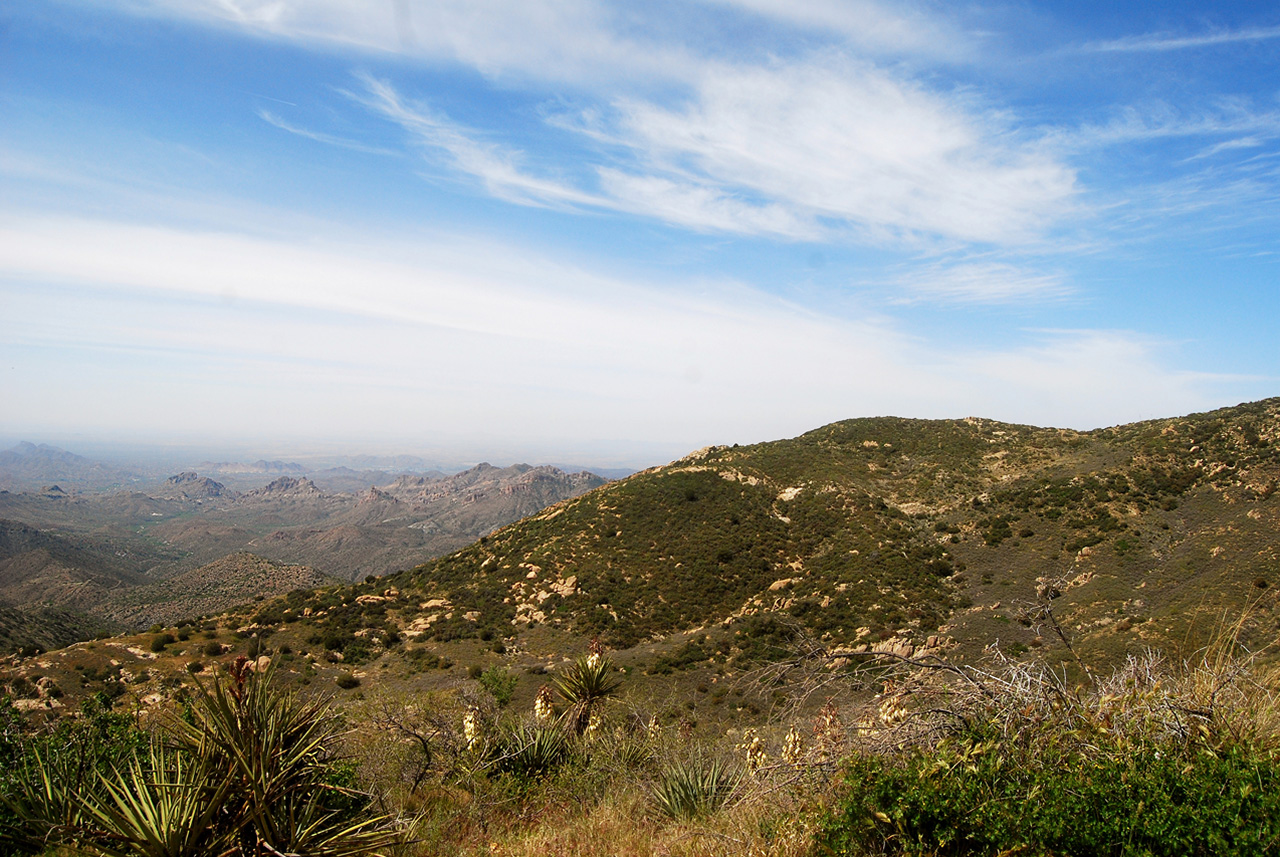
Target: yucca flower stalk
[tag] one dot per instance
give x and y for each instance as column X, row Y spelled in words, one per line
column 543, row 712
column 471, row 727
column 752, row 746
column 793, row 747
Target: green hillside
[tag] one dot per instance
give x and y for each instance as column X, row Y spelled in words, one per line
column 882, row 529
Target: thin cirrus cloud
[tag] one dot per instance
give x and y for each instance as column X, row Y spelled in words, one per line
column 813, row 146
column 980, row 283
column 1169, row 42
column 320, row 137
column 828, row 149
column 877, row 28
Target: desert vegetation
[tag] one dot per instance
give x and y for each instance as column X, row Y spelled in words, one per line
column 879, row 755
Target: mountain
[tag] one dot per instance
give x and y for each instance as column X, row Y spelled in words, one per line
column 78, row 550
column 29, row 466
column 894, row 532
column 192, row 486
column 39, row 569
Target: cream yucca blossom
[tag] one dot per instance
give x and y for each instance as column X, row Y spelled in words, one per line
column 892, row 710
column 753, row 746
column 593, row 723
column 542, row 710
column 595, row 653
column 471, row 727
column 793, row 747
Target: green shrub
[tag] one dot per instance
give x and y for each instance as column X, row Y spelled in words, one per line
column 160, row 641
column 500, row 682
column 976, row 797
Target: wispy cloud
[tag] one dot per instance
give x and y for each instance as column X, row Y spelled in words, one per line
column 810, row 150
column 980, row 283
column 875, row 28
column 1172, row 42
column 328, row 139
column 498, row 167
column 1159, row 120
column 814, row 142
column 845, row 142
column 415, row 330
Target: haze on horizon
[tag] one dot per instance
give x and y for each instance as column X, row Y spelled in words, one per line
column 598, row 232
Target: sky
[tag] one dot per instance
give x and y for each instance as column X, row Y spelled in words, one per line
column 568, row 229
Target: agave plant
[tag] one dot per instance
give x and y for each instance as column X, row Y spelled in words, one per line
column 585, row 687
column 694, row 787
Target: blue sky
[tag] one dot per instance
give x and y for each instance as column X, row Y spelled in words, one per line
column 624, row 230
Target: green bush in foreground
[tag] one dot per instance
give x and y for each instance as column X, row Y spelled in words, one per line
column 973, row 797
column 1159, row 759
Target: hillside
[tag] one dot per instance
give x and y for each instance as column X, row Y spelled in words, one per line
column 954, row 538
column 892, row 531
column 219, row 586
column 877, row 592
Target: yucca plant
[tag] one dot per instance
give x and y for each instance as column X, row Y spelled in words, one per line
column 530, row 752
column 273, row 750
column 585, row 687
column 248, row 773
column 47, row 798
column 694, row 787
column 162, row 805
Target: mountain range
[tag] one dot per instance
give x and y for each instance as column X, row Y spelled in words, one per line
column 958, row 539
column 81, row 551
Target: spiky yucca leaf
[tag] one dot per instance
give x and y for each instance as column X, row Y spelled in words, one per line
column 694, row 787
column 161, row 805
column 49, row 798
column 531, row 752
column 273, row 748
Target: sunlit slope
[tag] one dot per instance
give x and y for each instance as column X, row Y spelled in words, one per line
column 875, row 528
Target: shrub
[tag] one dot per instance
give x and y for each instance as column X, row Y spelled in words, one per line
column 160, row 641
column 500, row 682
column 1154, row 760
column 974, row 795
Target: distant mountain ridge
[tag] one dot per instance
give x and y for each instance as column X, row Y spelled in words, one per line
column 80, row 551
column 28, row 465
